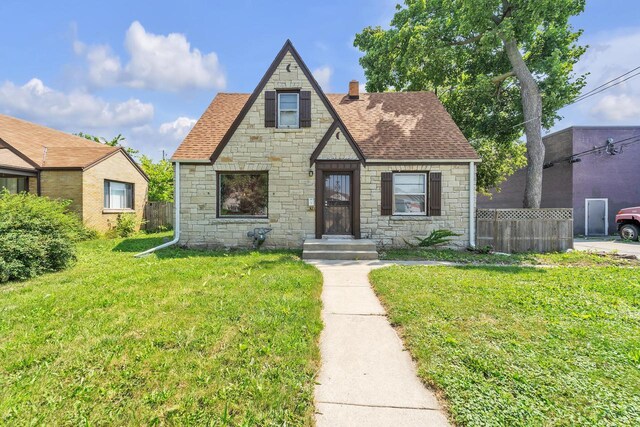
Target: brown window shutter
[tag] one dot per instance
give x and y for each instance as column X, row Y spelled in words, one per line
column 435, row 194
column 270, row 109
column 387, row 194
column 305, row 109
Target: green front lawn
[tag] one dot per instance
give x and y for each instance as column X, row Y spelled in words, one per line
column 523, row 346
column 182, row 337
column 574, row 258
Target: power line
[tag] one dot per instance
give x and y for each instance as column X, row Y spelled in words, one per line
column 603, row 87
column 612, row 80
column 622, row 143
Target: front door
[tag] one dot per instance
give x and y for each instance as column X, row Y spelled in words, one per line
column 337, row 203
column 596, row 221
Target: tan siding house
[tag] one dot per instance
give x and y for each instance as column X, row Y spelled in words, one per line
column 101, row 181
column 305, row 164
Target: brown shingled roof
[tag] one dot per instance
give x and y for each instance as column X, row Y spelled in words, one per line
column 402, row 126
column 209, row 130
column 390, row 125
column 63, row 150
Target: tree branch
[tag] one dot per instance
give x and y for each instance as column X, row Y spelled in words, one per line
column 502, row 77
column 466, row 41
column 506, row 12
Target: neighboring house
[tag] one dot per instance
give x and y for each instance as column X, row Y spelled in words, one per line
column 585, row 172
column 382, row 166
column 101, row 181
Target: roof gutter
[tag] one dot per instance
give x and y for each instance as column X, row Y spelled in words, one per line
column 176, row 228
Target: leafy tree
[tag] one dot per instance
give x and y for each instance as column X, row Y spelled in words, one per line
column 114, row 142
column 160, row 179
column 497, row 65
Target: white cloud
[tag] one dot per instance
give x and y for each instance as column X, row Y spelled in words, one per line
column 617, row 108
column 177, row 129
column 152, row 141
column 158, row 62
column 607, row 58
column 323, row 77
column 73, row 111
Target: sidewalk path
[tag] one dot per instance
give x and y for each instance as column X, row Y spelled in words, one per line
column 366, row 378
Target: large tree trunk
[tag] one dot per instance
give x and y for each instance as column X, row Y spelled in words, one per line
column 532, row 111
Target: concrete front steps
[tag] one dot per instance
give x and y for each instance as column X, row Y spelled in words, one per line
column 339, row 249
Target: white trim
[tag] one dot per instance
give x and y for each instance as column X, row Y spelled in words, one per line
column 296, row 110
column 606, row 215
column 472, row 205
column 176, row 228
column 425, row 193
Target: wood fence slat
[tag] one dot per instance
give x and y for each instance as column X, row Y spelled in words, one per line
column 158, row 215
column 525, row 230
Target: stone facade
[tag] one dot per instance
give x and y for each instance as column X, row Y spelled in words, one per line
column 393, row 230
column 285, row 155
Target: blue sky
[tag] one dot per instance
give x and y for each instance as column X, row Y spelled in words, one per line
column 147, row 69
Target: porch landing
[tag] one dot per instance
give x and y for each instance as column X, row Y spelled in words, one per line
column 339, row 248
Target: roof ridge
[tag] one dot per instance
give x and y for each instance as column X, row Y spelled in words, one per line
column 49, row 129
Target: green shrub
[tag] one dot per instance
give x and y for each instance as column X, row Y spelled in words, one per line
column 126, row 224
column 37, row 235
column 435, row 238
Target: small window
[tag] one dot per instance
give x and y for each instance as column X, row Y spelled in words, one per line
column 243, row 194
column 409, row 193
column 14, row 185
column 118, row 195
column 288, row 110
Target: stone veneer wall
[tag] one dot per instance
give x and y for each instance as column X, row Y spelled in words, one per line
column 393, row 230
column 285, row 154
column 201, row 228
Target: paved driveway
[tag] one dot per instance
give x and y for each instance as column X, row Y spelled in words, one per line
column 608, row 245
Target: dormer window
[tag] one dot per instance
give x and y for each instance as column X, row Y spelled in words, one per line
column 288, row 110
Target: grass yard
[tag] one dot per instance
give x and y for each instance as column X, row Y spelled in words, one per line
column 522, row 346
column 182, row 337
column 574, row 258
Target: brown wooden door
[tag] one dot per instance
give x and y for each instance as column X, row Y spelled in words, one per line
column 338, row 203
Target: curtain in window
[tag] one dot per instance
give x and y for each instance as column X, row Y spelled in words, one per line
column 118, row 195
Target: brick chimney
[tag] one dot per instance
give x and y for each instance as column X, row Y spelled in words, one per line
column 354, row 89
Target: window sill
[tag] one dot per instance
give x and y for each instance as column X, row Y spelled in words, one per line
column 117, row 211
column 411, row 218
column 241, row 220
column 288, row 130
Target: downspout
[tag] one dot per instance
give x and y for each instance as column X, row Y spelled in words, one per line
column 176, row 228
column 472, row 205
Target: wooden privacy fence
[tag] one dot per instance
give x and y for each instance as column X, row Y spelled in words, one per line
column 525, row 230
column 158, row 215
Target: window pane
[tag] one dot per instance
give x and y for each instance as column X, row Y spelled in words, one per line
column 120, row 195
column 410, row 204
column 243, row 194
column 13, row 184
column 288, row 118
column 288, row 101
column 409, row 183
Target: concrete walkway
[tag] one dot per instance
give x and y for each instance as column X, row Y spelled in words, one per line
column 366, row 378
